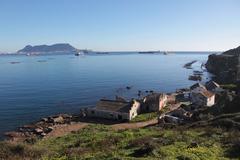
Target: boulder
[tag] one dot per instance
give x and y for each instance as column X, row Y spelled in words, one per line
column 58, row 120
column 43, row 134
column 38, row 130
column 170, row 119
column 180, row 113
column 44, row 119
column 13, row 134
column 48, row 129
column 66, row 116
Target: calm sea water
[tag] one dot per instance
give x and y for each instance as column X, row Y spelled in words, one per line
column 40, row 86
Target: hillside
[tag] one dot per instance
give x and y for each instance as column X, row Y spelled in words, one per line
column 60, row 47
column 144, row 143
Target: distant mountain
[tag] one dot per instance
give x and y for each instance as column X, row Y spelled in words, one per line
column 60, row 47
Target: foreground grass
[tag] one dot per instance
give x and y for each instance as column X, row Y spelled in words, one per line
column 101, row 142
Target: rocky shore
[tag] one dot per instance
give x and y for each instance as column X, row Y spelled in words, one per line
column 189, row 64
column 41, row 128
column 52, row 125
column 225, row 66
column 65, row 122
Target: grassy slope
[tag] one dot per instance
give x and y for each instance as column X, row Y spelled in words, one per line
column 145, row 117
column 101, row 142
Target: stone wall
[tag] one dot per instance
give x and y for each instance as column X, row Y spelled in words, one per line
column 92, row 112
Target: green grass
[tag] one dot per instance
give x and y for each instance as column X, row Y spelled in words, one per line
column 102, row 142
column 230, row 86
column 145, row 117
column 165, row 109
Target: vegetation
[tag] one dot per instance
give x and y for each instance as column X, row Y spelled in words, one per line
column 145, row 117
column 230, row 86
column 165, row 109
column 102, row 142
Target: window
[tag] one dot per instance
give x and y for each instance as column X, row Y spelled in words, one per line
column 120, row 117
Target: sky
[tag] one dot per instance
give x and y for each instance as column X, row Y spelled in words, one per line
column 121, row 25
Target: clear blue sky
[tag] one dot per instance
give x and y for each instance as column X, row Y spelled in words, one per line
column 121, row 24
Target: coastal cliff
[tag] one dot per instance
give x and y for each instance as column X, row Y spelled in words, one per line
column 225, row 66
column 60, row 47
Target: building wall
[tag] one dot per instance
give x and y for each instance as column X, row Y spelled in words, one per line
column 92, row 112
column 211, row 101
column 154, row 104
column 135, row 110
column 150, row 106
column 171, row 98
column 201, row 100
column 198, row 99
column 162, row 101
column 196, row 90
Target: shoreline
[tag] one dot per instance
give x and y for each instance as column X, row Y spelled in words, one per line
column 35, row 131
column 55, row 125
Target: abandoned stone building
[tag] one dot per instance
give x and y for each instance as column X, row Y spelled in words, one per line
column 114, row 109
column 154, row 102
column 200, row 96
column 203, row 98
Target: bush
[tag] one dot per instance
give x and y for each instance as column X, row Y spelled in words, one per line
column 19, row 151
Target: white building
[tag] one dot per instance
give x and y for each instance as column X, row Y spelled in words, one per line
column 114, row 109
column 200, row 96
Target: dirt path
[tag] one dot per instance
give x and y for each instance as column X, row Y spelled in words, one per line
column 122, row 126
column 61, row 130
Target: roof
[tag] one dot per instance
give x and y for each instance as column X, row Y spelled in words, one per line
column 212, row 85
column 113, row 105
column 197, row 85
column 206, row 93
column 153, row 97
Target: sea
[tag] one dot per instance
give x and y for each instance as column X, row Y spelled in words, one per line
column 32, row 87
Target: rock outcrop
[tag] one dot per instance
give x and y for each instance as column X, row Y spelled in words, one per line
column 41, row 128
column 60, row 47
column 225, row 66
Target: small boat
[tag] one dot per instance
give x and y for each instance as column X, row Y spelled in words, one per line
column 165, row 53
column 81, row 53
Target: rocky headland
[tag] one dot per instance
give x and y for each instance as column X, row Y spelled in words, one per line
column 225, row 66
column 60, row 47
